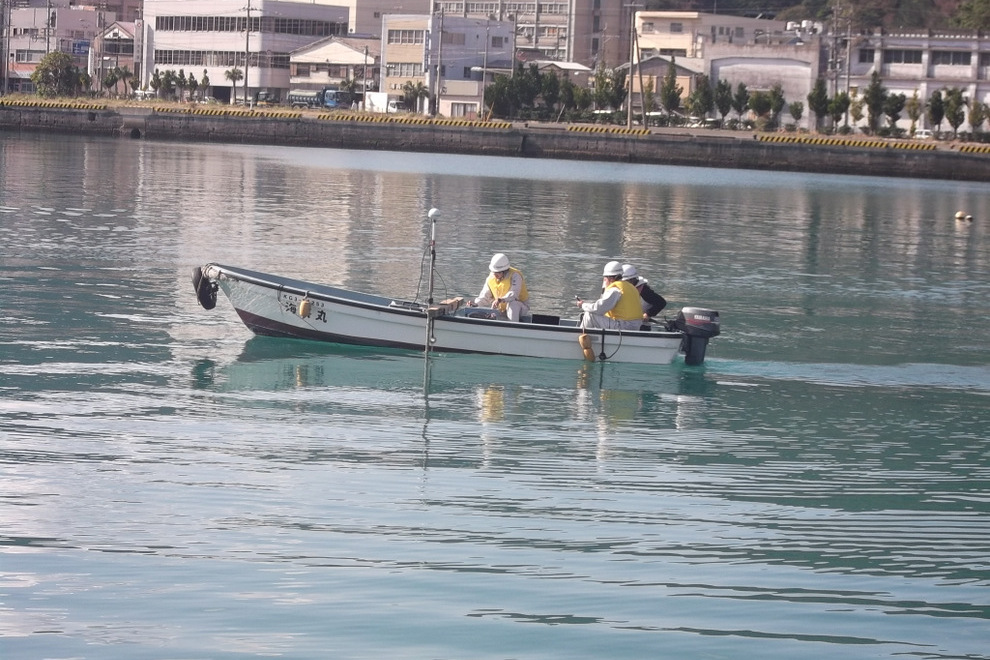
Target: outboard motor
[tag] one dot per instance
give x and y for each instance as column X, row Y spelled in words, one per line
column 698, row 325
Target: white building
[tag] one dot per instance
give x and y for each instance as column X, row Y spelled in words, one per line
column 916, row 61
column 333, row 60
column 217, row 37
column 761, row 53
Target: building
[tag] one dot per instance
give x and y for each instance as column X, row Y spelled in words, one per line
column 243, row 46
column 449, row 59
column 687, row 34
column 113, row 49
column 29, row 29
column 334, row 60
column 35, row 28
column 913, row 61
column 590, row 32
column 761, row 54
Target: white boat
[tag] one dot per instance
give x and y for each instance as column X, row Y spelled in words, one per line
column 283, row 307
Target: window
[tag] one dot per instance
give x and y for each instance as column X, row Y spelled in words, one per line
column 648, row 27
column 867, row 55
column 467, row 73
column 951, row 57
column 498, row 42
column 463, row 109
column 740, row 33
column 405, row 36
column 408, row 69
column 896, row 56
column 453, row 38
column 676, row 28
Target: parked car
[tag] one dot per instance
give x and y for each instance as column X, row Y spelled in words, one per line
column 923, row 134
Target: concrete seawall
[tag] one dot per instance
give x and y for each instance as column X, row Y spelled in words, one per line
column 781, row 152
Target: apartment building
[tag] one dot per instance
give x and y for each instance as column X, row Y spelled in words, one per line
column 452, row 58
column 585, row 31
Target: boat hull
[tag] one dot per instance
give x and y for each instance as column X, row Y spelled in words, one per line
column 282, row 307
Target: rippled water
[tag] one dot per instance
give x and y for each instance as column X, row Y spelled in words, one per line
column 175, row 488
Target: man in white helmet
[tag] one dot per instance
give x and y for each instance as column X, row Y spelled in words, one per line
column 652, row 301
column 618, row 308
column 504, row 290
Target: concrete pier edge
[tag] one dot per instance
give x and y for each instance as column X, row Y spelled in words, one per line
column 855, row 156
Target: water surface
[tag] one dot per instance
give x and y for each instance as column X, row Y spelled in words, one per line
column 176, row 488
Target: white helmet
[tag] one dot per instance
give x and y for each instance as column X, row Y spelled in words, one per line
column 628, row 271
column 612, row 269
column 499, row 263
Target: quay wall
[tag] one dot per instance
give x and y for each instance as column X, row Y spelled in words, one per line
column 744, row 150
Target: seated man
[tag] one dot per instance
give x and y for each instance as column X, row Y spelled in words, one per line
column 653, row 302
column 618, row 308
column 504, row 289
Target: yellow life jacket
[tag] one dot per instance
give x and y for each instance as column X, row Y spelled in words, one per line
column 499, row 289
column 629, row 308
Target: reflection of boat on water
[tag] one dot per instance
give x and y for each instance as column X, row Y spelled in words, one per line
column 269, row 364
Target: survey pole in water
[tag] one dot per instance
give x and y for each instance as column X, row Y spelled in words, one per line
column 433, row 215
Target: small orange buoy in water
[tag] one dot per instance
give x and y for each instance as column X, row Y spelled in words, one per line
column 304, row 308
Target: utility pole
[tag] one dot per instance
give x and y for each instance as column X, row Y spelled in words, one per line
column 5, row 32
column 632, row 57
column 484, row 66
column 364, row 82
column 247, row 50
column 48, row 27
column 435, row 102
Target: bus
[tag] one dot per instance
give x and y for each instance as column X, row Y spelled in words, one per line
column 328, row 97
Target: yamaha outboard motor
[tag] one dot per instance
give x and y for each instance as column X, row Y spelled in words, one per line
column 698, row 325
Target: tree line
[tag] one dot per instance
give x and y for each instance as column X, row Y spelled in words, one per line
column 529, row 94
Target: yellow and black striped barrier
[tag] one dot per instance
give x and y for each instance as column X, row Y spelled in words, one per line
column 178, row 110
column 57, row 105
column 975, row 149
column 847, row 142
column 614, row 130
column 413, row 120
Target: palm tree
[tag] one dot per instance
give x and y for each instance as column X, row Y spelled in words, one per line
column 412, row 93
column 234, row 75
column 126, row 75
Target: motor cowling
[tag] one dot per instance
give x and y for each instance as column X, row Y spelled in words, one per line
column 698, row 322
column 698, row 325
